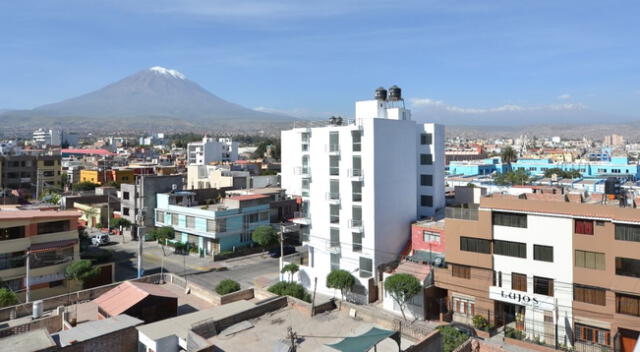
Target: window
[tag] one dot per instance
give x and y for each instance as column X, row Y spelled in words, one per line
column 589, row 260
column 461, row 271
column 628, row 304
column 586, row 333
column 356, row 191
column 426, row 201
column 334, row 240
column 584, row 227
column 305, row 187
column 125, row 211
column 175, row 219
column 13, row 284
column 426, row 180
column 304, row 234
column 59, row 256
column 11, row 233
column 356, row 216
column 264, row 216
column 160, row 216
column 48, row 173
column 125, row 195
column 305, row 164
column 49, row 163
column 426, row 138
column 476, row 245
column 334, row 214
column 426, row 159
column 519, row 282
column 509, row 219
column 626, row 232
column 366, row 267
column 543, row 286
column 356, row 138
column 334, row 165
column 334, row 142
column 430, row 237
column 221, row 225
column 357, row 166
column 497, row 278
column 53, row 227
column 334, row 189
column 356, row 242
column 191, row 222
column 589, row 294
column 512, row 249
column 463, row 306
column 627, row 267
column 335, row 261
column 12, row 260
column 543, row 253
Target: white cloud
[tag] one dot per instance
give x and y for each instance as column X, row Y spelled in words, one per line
column 564, row 96
column 439, row 104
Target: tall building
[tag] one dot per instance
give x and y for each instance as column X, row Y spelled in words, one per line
column 560, row 268
column 209, row 150
column 31, row 173
column 141, row 195
column 362, row 183
column 47, row 137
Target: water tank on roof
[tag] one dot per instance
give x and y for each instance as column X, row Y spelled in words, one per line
column 37, row 309
column 395, row 93
column 381, row 94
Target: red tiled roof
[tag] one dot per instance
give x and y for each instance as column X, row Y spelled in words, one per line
column 87, row 151
column 119, row 299
column 249, row 197
column 50, row 246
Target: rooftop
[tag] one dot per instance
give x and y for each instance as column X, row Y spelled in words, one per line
column 92, row 329
column 119, row 299
column 35, row 340
column 15, row 214
column 102, row 152
column 248, row 197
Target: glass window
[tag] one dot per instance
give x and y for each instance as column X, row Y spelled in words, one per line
column 175, row 219
column 356, row 191
column 335, row 261
column 356, row 137
column 461, row 271
column 160, row 216
column 519, row 282
column 366, row 267
column 542, row 253
column 430, row 237
column 357, row 166
column 589, row 260
column 125, row 195
column 356, row 242
column 12, row 260
column 191, row 222
column 334, row 213
column 512, row 249
column 584, row 227
column 627, row 267
column 334, row 240
column 53, row 227
column 589, row 294
column 592, row 334
column 543, row 286
column 426, row 159
column 426, row 180
column 334, row 189
column 11, row 233
column 626, row 232
column 628, row 304
column 334, row 140
column 509, row 219
column 426, row 138
column 334, row 165
column 59, row 256
column 426, row 201
column 476, row 245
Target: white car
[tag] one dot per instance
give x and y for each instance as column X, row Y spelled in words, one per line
column 100, row 239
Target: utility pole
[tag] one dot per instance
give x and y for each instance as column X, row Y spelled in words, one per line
column 281, row 252
column 292, row 336
column 140, row 224
column 27, row 281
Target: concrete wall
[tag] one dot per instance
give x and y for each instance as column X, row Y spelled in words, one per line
column 431, row 343
column 52, row 323
column 118, row 341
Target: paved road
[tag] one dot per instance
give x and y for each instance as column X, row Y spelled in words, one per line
column 254, row 270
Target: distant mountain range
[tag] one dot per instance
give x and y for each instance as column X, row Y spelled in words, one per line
column 155, row 98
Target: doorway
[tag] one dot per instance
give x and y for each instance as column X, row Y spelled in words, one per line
column 509, row 314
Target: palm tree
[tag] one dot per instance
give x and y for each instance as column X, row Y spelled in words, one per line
column 508, row 155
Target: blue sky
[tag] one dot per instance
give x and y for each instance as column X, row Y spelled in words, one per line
column 317, row 57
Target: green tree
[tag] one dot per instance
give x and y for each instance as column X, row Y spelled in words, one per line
column 227, row 286
column 290, row 268
column 7, row 297
column 451, row 338
column 81, row 270
column 517, row 177
column 341, row 280
column 401, row 288
column 162, row 234
column 265, row 236
column 508, row 155
column 120, row 223
column 562, row 173
column 84, row 186
column 292, row 289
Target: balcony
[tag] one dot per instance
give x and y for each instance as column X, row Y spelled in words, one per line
column 356, row 225
column 302, row 171
column 333, row 247
column 461, row 213
column 332, row 149
column 356, row 174
column 332, row 198
column 301, row 218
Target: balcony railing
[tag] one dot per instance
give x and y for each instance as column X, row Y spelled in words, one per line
column 461, row 213
column 355, row 223
column 333, row 197
column 355, row 173
column 333, row 149
column 303, row 171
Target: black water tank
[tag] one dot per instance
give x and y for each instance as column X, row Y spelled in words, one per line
column 395, row 93
column 611, row 186
column 381, row 94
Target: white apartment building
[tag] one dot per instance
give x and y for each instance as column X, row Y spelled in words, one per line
column 362, row 182
column 47, row 137
column 209, row 150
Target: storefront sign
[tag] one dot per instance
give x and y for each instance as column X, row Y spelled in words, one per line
column 522, row 298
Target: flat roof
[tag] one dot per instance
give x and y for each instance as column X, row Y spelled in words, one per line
column 248, row 197
column 29, row 341
column 37, row 214
column 93, row 329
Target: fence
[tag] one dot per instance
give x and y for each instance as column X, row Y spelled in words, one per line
column 461, row 213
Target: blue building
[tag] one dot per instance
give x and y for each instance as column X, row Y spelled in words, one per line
column 212, row 228
column 617, row 167
column 477, row 167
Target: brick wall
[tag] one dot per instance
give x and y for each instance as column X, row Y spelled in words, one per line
column 119, row 341
column 52, row 324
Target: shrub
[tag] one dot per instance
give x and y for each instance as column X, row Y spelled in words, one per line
column 513, row 333
column 7, row 298
column 265, row 236
column 480, row 322
column 292, row 289
column 227, row 286
column 451, row 338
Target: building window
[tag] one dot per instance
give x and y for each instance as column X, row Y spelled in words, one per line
column 160, row 216
column 334, row 165
column 543, row 253
column 191, row 222
column 357, row 242
column 53, row 227
column 589, row 294
column 11, row 233
column 497, row 278
column 125, row 211
column 509, row 219
column 426, row 201
column 356, row 216
column 335, row 261
column 334, row 213
column 59, row 256
column 334, row 239
column 305, row 187
column 125, row 195
column 590, row 334
column 426, row 159
column 430, row 237
column 461, row 271
column 356, row 191
column 543, row 286
column 628, row 304
column 584, row 227
column 589, row 260
column 334, row 189
column 426, row 138
column 366, row 267
column 627, row 267
column 12, row 260
column 519, row 282
column 626, row 232
column 511, row 249
column 334, row 141
column 49, row 163
column 175, row 219
column 463, row 306
column 245, row 237
column 426, row 180
column 356, row 138
column 476, row 245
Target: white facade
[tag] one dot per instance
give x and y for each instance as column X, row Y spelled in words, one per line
column 47, row 137
column 360, row 186
column 209, row 150
column 552, row 231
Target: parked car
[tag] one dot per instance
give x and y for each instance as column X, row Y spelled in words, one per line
column 100, row 239
column 275, row 252
column 464, row 328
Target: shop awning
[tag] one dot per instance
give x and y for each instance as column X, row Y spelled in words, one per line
column 51, row 246
column 366, row 341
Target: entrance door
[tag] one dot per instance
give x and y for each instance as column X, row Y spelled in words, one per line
column 505, row 313
column 628, row 339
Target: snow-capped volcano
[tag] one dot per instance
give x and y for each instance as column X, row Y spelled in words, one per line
column 165, row 71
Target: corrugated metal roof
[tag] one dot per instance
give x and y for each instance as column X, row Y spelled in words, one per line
column 117, row 300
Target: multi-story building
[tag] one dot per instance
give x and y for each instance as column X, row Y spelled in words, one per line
column 47, row 137
column 100, row 177
column 619, row 167
column 212, row 227
column 361, row 184
column 209, row 150
column 48, row 240
column 31, row 173
column 141, row 196
column 561, row 268
column 217, row 176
